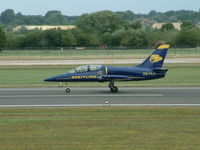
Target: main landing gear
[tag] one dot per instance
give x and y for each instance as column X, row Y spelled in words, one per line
column 113, row 88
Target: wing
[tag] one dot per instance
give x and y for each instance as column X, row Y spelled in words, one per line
column 115, row 77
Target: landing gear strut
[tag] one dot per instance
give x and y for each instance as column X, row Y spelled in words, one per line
column 113, row 88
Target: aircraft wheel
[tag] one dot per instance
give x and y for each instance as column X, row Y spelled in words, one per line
column 67, row 90
column 114, row 89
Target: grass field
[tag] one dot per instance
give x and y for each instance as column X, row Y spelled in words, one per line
column 103, row 128
column 32, row 76
column 91, row 54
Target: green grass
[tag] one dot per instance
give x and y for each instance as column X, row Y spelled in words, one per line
column 117, row 128
column 91, row 54
column 32, row 76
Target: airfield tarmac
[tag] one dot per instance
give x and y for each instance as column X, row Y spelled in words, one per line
column 87, row 62
column 133, row 96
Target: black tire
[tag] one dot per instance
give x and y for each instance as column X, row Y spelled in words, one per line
column 114, row 89
column 67, row 90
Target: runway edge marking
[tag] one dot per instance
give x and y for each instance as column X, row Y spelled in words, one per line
column 98, row 105
column 46, row 96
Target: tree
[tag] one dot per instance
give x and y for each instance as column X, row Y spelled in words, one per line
column 82, row 39
column 52, row 38
column 2, row 38
column 167, row 36
column 127, row 15
column 136, row 25
column 106, row 39
column 100, row 22
column 13, row 40
column 121, row 37
column 187, row 24
column 94, row 40
column 68, row 39
column 138, row 38
column 117, row 38
column 31, row 39
column 55, row 18
column 188, row 37
column 167, row 26
column 7, row 16
column 152, row 13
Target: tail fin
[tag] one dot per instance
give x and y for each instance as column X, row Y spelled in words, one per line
column 156, row 59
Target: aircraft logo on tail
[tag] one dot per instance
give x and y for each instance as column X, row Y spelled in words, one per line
column 155, row 58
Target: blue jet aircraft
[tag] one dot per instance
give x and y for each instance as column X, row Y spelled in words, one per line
column 150, row 69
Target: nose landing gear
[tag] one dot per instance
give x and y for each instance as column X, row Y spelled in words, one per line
column 67, row 90
column 113, row 88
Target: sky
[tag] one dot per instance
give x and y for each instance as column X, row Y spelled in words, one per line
column 78, row 7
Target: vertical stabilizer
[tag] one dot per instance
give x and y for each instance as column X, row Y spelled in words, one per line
column 156, row 59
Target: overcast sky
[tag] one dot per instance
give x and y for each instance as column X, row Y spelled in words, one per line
column 77, row 7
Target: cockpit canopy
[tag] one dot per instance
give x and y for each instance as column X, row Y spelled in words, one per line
column 86, row 68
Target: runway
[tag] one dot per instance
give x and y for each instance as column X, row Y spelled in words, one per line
column 56, row 97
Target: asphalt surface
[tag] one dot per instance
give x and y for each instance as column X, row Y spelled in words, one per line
column 96, row 61
column 56, row 97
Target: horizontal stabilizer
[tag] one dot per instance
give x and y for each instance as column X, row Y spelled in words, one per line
column 164, row 69
column 157, row 70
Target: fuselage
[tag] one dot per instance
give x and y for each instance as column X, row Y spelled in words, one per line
column 107, row 73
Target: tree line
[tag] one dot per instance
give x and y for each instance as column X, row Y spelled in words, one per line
column 9, row 18
column 103, row 29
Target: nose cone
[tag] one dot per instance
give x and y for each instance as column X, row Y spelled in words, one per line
column 59, row 78
column 50, row 79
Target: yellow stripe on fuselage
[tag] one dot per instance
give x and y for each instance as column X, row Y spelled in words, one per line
column 106, row 70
